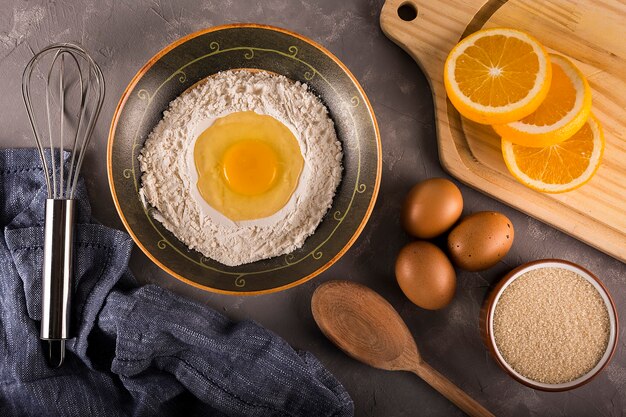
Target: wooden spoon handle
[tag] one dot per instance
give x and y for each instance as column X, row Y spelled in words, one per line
column 450, row 391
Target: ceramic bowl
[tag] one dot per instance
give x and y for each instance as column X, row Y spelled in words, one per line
column 491, row 302
column 202, row 54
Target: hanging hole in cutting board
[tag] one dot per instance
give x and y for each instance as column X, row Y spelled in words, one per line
column 407, row 11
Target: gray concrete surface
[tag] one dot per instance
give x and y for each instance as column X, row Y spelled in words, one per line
column 123, row 34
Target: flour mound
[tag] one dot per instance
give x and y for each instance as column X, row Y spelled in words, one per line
column 167, row 182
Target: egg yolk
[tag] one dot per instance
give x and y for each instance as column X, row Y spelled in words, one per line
column 248, row 165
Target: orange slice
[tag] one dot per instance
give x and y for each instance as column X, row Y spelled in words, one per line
column 561, row 167
column 497, row 76
column 563, row 112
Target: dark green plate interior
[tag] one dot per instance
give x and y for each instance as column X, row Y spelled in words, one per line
column 198, row 56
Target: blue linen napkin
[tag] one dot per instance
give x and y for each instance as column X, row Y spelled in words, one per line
column 137, row 351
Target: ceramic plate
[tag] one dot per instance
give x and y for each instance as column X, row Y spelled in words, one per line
column 200, row 55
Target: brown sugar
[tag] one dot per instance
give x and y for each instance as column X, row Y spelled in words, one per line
column 551, row 325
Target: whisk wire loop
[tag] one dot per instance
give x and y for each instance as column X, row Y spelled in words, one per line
column 74, row 125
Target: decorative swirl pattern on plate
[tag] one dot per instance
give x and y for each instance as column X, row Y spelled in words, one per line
column 289, row 258
column 249, row 54
column 355, row 101
column 182, row 76
column 143, row 94
column 361, row 188
column 309, row 75
column 127, row 173
column 317, row 255
column 240, row 281
column 162, row 244
column 337, row 216
column 293, row 51
column 214, row 46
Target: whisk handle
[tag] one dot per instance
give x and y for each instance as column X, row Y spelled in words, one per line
column 57, row 270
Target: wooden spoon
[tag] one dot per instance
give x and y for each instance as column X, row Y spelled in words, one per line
column 365, row 326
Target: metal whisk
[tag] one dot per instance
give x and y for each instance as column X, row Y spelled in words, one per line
column 62, row 87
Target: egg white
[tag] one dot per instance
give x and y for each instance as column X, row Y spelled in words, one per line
column 208, row 211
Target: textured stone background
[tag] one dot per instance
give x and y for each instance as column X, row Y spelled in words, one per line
column 123, row 34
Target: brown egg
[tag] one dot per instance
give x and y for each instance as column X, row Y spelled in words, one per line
column 431, row 208
column 480, row 240
column 425, row 275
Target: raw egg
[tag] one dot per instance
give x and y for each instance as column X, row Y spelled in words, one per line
column 480, row 240
column 431, row 207
column 425, row 275
column 248, row 165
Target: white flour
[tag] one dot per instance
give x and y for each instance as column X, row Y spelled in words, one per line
column 169, row 177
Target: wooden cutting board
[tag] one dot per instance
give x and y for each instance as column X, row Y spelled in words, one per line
column 593, row 34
